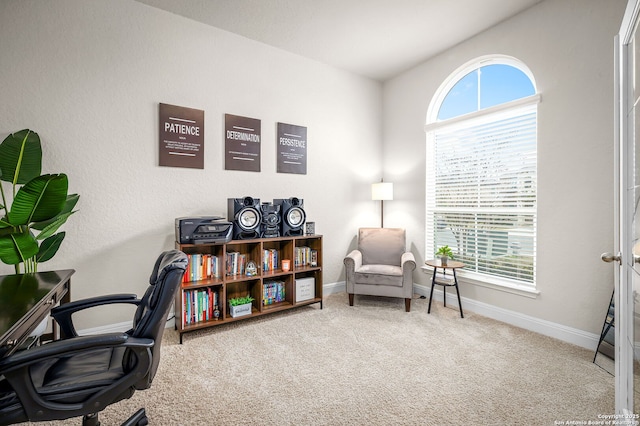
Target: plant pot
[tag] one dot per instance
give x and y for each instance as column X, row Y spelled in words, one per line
column 444, row 260
column 240, row 310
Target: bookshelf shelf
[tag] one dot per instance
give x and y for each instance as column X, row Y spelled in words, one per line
column 217, row 273
column 201, row 283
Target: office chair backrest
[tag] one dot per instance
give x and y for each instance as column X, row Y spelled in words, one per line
column 151, row 316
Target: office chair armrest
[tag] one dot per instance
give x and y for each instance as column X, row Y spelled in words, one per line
column 62, row 314
column 408, row 261
column 17, row 368
column 60, row 348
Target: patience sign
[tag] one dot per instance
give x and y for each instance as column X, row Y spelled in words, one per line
column 181, row 137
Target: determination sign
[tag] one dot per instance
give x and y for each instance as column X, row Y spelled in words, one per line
column 242, row 143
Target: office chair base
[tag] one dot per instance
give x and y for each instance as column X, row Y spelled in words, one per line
column 90, row 420
column 138, row 419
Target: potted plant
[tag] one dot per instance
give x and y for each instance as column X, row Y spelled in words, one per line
column 239, row 306
column 39, row 204
column 444, row 253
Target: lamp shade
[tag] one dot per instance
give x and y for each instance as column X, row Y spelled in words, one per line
column 382, row 191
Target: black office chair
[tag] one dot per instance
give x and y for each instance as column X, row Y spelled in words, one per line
column 82, row 375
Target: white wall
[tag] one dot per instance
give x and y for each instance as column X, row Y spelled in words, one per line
column 568, row 45
column 88, row 75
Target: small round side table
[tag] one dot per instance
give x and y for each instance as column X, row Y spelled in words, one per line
column 444, row 280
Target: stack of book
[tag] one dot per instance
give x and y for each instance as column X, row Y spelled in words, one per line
column 202, row 267
column 200, row 305
column 270, row 259
column 273, row 292
column 236, row 263
column 305, row 256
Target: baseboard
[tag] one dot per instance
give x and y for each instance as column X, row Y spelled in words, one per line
column 547, row 328
column 332, row 288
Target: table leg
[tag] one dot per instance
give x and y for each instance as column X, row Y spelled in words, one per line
column 455, row 278
column 433, row 284
column 444, row 295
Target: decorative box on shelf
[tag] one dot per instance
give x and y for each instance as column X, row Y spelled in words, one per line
column 240, row 310
column 305, row 289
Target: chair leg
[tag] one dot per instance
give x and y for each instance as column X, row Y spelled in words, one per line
column 350, row 299
column 90, row 420
column 407, row 304
column 138, row 419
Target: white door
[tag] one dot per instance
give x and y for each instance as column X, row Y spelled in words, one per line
column 627, row 195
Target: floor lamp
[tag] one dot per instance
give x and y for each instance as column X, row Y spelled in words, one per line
column 382, row 191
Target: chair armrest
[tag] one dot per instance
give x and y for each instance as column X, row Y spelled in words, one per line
column 353, row 260
column 17, row 368
column 60, row 348
column 352, row 263
column 408, row 261
column 62, row 314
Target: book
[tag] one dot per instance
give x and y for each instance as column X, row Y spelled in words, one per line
column 273, row 292
column 199, row 305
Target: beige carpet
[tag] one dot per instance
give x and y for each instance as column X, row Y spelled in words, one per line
column 370, row 364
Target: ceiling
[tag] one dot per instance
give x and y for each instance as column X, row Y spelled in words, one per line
column 374, row 38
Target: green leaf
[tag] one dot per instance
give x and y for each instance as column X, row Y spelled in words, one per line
column 40, row 199
column 49, row 247
column 71, row 202
column 20, row 157
column 15, row 248
column 53, row 225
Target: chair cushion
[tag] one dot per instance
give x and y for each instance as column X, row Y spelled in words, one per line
column 379, row 275
column 383, row 246
column 78, row 375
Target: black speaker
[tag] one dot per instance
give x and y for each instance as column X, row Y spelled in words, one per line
column 245, row 215
column 293, row 216
column 270, row 227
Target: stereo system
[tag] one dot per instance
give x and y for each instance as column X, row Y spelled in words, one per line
column 252, row 219
column 293, row 216
column 246, row 217
column 270, row 220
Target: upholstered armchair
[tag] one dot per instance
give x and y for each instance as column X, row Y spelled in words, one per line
column 381, row 265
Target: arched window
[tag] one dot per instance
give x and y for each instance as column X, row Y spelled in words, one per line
column 481, row 175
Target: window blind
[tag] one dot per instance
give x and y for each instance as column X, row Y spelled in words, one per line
column 481, row 192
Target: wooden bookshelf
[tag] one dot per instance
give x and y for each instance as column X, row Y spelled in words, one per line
column 194, row 309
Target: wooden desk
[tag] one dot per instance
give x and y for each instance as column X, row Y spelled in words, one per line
column 25, row 301
column 453, row 265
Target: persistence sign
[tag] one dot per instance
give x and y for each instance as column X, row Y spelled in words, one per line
column 292, row 149
column 242, row 143
column 181, row 137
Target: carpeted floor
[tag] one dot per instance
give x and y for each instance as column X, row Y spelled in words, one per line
column 370, row 364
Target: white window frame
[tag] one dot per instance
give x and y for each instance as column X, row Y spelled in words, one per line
column 485, row 280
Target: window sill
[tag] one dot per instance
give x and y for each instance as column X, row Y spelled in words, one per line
column 493, row 283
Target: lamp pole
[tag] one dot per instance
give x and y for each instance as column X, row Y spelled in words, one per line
column 382, row 191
